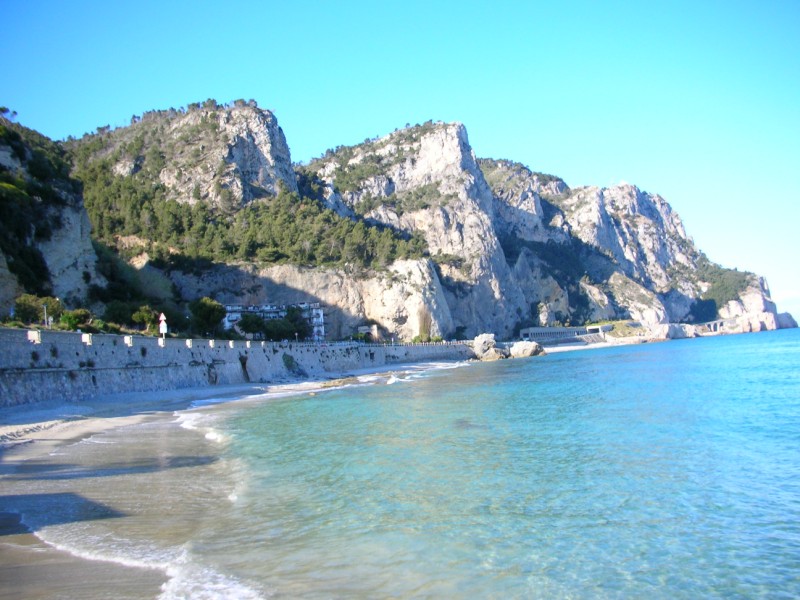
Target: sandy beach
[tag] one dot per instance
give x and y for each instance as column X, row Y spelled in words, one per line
column 30, row 568
column 31, row 430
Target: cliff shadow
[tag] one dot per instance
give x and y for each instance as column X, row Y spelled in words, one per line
column 45, row 471
column 24, row 513
column 245, row 285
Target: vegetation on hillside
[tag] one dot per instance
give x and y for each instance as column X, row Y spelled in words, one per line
column 725, row 285
column 287, row 228
column 356, row 164
column 26, row 201
column 502, row 172
column 420, row 198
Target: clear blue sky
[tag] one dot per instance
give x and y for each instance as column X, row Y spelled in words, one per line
column 697, row 101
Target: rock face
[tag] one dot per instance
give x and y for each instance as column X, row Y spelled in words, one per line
column 427, row 180
column 514, row 247
column 507, row 247
column 70, row 256
column 226, row 156
column 639, row 231
column 405, row 302
column 59, row 230
column 753, row 311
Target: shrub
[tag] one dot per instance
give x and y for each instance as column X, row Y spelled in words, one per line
column 73, row 319
column 207, row 315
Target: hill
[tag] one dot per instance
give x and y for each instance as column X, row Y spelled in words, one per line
column 410, row 231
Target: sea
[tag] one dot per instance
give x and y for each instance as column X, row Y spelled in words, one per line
column 663, row 470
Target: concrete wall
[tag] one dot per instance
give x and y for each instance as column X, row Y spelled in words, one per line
column 54, row 365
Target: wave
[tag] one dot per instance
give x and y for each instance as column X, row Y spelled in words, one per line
column 186, row 578
column 424, row 370
column 202, row 423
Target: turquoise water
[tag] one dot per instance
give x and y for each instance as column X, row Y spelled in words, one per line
column 656, row 471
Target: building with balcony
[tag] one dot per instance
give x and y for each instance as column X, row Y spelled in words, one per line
column 312, row 312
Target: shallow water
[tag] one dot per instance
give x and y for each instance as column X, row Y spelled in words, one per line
column 661, row 471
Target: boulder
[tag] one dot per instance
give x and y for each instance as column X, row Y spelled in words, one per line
column 494, row 354
column 485, row 348
column 525, row 349
column 482, row 344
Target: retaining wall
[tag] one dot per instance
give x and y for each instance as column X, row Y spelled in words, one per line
column 53, row 365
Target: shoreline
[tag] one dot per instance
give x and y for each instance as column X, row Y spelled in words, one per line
column 30, row 433
column 31, row 430
column 30, row 567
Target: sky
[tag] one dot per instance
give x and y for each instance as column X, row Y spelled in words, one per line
column 697, row 101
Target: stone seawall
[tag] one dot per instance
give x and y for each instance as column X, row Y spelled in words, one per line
column 37, row 366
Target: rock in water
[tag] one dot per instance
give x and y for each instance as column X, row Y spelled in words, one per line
column 526, row 349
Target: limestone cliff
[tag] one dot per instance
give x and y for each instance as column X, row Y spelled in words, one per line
column 509, row 246
column 426, row 179
column 516, row 247
column 494, row 245
column 405, row 301
column 47, row 247
column 226, row 156
column 519, row 206
column 640, row 231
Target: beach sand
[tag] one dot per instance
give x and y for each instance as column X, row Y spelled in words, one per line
column 30, row 568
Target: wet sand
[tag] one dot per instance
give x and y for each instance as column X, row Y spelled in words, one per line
column 30, row 568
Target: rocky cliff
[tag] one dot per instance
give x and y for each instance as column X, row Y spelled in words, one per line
column 46, row 235
column 488, row 245
column 406, row 300
column 225, row 156
column 514, row 247
column 427, row 180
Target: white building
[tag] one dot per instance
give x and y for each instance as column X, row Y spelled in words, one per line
column 556, row 335
column 311, row 311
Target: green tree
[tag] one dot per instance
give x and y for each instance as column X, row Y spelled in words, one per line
column 298, row 323
column 207, row 315
column 250, row 323
column 28, row 308
column 278, row 329
column 31, row 309
column 118, row 312
column 146, row 316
